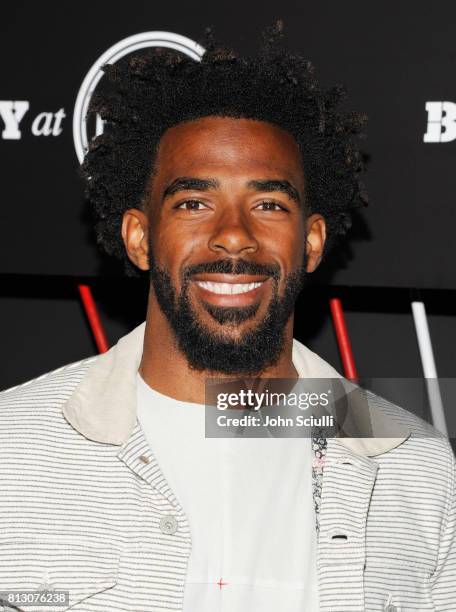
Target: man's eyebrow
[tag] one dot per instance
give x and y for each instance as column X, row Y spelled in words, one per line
column 276, row 185
column 186, row 183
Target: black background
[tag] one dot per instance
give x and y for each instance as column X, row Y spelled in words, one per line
column 392, row 57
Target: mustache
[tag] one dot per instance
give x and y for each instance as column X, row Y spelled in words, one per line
column 232, row 266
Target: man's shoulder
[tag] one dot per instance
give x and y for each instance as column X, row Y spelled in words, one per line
column 426, row 450
column 418, row 427
column 51, row 388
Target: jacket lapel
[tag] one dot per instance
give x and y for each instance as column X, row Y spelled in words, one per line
column 103, row 406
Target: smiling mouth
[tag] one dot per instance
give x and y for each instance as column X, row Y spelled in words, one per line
column 228, row 288
column 231, row 290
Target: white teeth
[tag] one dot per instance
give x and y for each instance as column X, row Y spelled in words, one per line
column 228, row 288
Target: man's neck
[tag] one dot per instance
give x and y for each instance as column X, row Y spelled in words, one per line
column 165, row 368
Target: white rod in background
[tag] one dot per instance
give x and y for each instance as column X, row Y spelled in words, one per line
column 429, row 369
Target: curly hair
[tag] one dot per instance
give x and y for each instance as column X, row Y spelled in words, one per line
column 148, row 94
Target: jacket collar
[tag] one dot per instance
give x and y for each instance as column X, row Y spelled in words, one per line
column 103, row 406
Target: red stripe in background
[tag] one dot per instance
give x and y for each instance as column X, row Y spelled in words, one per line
column 94, row 318
column 343, row 340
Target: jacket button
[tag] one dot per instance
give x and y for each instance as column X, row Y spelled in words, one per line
column 168, row 525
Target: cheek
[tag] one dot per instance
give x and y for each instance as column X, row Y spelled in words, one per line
column 298, row 245
column 288, row 248
column 174, row 250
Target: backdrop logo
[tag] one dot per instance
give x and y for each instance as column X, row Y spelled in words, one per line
column 441, row 122
column 44, row 124
column 112, row 55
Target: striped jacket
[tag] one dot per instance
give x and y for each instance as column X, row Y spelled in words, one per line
column 85, row 508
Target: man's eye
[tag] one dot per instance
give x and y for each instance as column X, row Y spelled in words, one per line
column 191, row 205
column 270, row 206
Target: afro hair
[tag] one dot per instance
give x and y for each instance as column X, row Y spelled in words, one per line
column 149, row 93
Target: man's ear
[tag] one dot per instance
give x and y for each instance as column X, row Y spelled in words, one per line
column 135, row 234
column 315, row 241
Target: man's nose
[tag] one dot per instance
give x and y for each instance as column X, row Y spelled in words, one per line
column 233, row 236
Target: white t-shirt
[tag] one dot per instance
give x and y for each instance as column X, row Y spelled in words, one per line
column 250, row 509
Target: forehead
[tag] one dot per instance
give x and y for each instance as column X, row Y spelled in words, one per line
column 228, row 145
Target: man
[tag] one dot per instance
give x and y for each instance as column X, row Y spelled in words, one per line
column 227, row 181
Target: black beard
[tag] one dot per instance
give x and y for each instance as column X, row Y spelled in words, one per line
column 205, row 350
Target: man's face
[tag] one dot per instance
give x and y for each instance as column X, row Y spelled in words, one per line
column 227, row 238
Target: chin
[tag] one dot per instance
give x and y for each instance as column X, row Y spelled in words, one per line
column 229, row 330
column 230, row 318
